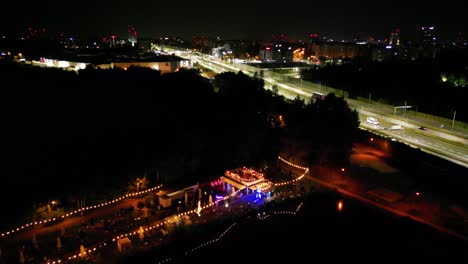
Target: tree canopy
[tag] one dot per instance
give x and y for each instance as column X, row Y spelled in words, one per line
column 65, row 130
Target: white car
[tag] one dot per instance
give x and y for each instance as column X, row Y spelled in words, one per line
column 372, row 120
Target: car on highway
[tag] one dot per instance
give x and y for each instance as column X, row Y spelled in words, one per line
column 372, row 120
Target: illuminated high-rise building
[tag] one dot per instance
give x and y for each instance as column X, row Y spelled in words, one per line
column 429, row 42
column 313, row 37
column 132, row 35
column 112, row 41
column 394, row 38
column 429, row 36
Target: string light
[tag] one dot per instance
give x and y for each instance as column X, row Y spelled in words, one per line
column 79, row 210
column 74, row 256
column 306, row 170
column 292, row 164
column 153, row 227
column 264, row 216
column 211, row 241
column 263, row 186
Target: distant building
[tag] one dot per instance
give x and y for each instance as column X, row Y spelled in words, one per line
column 132, row 35
column 429, row 42
column 240, row 49
column 203, row 44
column 337, row 50
column 172, row 41
column 112, row 41
column 266, row 54
column 314, row 37
column 428, row 36
column 164, row 64
column 277, row 49
column 394, row 40
column 222, row 51
column 169, row 198
column 281, row 52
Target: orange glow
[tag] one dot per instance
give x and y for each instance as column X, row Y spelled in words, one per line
column 298, row 54
column 339, row 206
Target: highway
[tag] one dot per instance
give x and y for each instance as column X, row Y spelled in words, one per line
column 449, row 144
column 417, row 138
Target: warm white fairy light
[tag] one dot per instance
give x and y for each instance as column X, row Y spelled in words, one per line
column 306, row 170
column 292, row 164
column 149, row 228
column 210, row 241
column 262, row 187
column 79, row 210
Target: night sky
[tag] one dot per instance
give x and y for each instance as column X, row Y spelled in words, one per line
column 236, row 19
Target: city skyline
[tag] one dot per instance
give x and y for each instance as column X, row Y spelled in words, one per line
column 257, row 20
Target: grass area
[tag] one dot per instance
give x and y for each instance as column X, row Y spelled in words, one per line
column 374, row 179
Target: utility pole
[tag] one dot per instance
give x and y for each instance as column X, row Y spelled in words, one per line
column 404, row 115
column 369, row 97
column 453, row 120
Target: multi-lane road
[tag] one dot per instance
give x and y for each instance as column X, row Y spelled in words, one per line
column 438, row 138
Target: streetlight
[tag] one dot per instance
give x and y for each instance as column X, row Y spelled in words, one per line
column 405, row 111
column 49, row 207
column 339, row 206
column 401, row 106
column 138, row 184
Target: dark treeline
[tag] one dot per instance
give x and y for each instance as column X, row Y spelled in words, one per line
column 432, row 86
column 72, row 135
column 31, row 48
